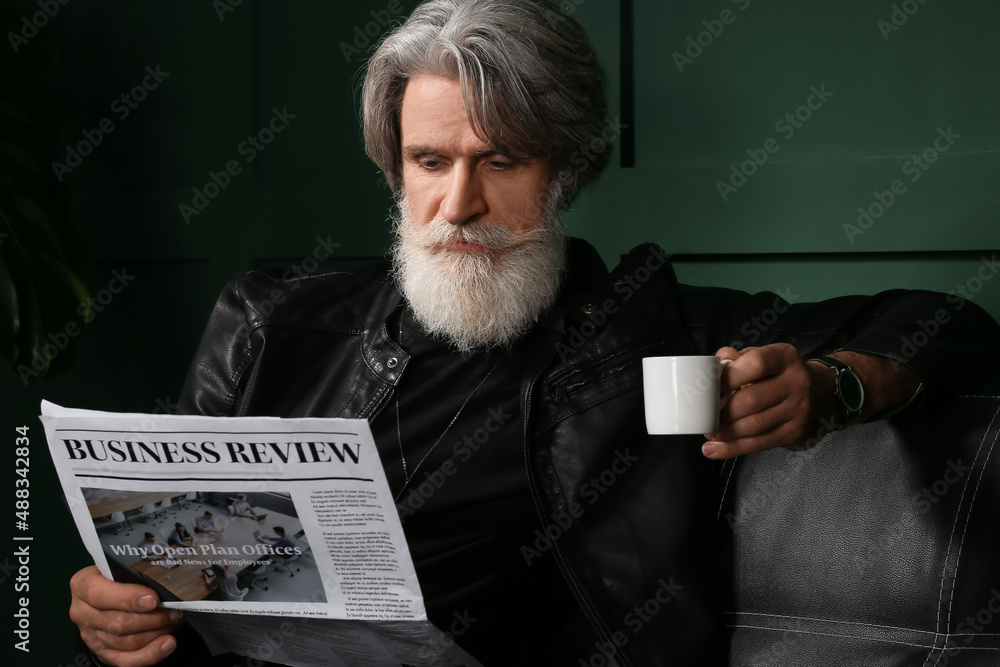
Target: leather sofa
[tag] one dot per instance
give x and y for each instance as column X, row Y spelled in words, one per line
column 878, row 547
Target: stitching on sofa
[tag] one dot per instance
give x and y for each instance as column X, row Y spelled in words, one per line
column 951, row 539
column 972, row 504
column 868, row 639
column 951, row 597
column 831, row 634
column 722, row 500
column 965, row 529
column 868, row 625
column 829, row 620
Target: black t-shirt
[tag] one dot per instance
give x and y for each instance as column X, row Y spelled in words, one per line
column 467, row 511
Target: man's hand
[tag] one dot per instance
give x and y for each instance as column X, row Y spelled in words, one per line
column 121, row 622
column 780, row 401
column 784, row 401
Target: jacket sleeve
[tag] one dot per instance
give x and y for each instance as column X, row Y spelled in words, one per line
column 952, row 344
column 223, row 355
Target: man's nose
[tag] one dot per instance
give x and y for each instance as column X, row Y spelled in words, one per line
column 463, row 202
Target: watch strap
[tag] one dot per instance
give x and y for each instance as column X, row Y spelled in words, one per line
column 835, row 364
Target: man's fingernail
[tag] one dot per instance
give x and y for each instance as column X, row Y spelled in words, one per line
column 708, row 449
column 169, row 645
column 175, row 615
column 147, row 602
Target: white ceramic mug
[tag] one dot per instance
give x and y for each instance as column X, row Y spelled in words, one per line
column 682, row 394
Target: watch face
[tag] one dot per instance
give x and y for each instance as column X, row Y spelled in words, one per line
column 851, row 392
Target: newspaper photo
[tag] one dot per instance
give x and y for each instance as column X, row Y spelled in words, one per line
column 289, row 520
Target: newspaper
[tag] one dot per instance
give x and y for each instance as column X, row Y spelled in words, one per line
column 289, row 522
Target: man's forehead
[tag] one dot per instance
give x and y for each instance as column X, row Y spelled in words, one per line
column 434, row 118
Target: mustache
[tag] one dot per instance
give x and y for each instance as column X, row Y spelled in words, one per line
column 494, row 236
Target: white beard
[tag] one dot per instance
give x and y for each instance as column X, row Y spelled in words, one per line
column 479, row 299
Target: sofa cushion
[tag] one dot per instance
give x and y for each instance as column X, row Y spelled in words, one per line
column 880, row 546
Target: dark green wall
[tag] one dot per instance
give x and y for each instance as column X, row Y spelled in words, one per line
column 782, row 230
column 892, row 89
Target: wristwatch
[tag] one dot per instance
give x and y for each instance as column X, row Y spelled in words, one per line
column 846, row 386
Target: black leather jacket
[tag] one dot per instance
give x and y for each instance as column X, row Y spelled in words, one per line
column 633, row 516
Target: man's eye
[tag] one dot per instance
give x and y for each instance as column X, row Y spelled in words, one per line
column 499, row 165
column 430, row 164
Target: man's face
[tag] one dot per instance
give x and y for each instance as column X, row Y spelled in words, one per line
column 450, row 174
column 480, row 252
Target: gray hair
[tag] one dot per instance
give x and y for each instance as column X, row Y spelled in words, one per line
column 532, row 84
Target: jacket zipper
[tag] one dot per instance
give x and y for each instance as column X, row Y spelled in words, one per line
column 595, row 623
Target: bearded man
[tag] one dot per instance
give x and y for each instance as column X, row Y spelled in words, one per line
column 497, row 349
